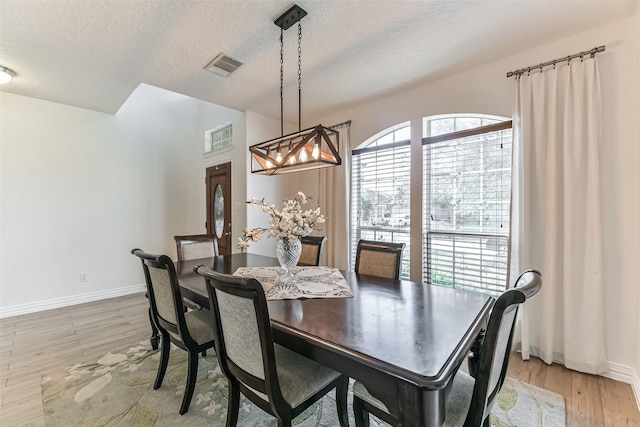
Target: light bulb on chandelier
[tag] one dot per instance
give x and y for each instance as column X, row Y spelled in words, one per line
column 292, row 158
column 303, row 154
column 268, row 164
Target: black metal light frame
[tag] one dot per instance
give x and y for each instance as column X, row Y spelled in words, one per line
column 312, row 148
column 308, row 149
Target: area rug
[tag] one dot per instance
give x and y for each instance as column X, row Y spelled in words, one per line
column 117, row 390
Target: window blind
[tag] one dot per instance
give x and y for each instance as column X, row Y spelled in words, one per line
column 467, row 189
column 380, row 196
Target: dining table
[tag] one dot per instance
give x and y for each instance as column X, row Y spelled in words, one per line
column 403, row 340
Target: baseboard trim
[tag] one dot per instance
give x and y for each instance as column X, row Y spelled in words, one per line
column 33, row 307
column 625, row 374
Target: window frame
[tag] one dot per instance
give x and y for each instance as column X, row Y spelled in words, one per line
column 463, row 237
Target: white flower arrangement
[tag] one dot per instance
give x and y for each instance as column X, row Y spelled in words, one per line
column 292, row 222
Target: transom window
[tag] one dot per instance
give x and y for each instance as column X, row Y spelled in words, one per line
column 219, row 138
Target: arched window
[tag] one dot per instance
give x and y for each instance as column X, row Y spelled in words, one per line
column 381, row 170
column 466, row 192
column 466, row 201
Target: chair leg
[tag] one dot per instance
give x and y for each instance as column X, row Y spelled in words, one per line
column 234, row 403
column 155, row 337
column 164, row 360
column 341, row 401
column 360, row 415
column 192, row 373
column 284, row 422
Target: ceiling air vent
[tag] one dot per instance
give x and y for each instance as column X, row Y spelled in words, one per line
column 223, row 65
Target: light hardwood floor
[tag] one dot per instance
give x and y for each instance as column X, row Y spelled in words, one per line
column 33, row 344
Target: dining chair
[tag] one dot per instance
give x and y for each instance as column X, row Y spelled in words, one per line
column 279, row 381
column 380, row 259
column 312, row 247
column 470, row 400
column 190, row 330
column 196, row 246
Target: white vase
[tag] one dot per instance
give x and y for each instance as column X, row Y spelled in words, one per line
column 288, row 252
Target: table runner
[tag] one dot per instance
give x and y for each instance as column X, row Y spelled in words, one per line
column 308, row 282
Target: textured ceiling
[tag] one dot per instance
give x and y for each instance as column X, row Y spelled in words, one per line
column 93, row 54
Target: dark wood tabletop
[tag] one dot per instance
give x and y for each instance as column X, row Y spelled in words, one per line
column 403, row 340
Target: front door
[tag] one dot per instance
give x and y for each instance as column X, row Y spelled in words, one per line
column 219, row 205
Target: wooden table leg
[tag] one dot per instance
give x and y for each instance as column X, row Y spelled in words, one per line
column 423, row 408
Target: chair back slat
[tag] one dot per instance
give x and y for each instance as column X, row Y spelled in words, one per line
column 376, row 263
column 312, row 247
column 197, row 250
column 380, row 259
column 196, row 246
column 163, row 294
column 308, row 255
column 240, row 333
column 501, row 349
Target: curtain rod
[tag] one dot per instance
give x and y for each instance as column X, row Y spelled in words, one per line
column 580, row 55
column 339, row 125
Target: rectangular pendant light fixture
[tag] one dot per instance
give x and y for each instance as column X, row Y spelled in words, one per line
column 312, row 148
column 308, row 149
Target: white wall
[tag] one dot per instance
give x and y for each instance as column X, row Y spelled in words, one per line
column 261, row 128
column 485, row 89
column 79, row 189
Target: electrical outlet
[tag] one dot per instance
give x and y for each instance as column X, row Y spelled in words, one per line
column 84, row 277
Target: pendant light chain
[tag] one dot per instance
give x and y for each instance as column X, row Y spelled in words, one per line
column 281, row 82
column 299, row 76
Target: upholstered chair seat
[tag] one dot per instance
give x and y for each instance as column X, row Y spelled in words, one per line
column 291, row 367
column 199, row 325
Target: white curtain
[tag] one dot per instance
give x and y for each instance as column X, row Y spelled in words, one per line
column 556, row 220
column 334, row 184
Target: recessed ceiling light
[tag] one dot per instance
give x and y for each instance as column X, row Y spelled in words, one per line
column 6, row 74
